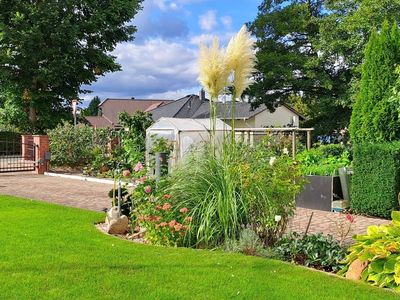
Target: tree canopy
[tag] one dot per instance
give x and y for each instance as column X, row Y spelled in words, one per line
column 49, row 49
column 93, row 107
column 313, row 49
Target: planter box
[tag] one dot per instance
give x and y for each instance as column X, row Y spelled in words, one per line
column 320, row 192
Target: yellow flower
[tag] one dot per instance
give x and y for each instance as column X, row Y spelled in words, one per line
column 213, row 69
column 241, row 59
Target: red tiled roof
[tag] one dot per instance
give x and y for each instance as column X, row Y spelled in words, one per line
column 99, row 122
column 111, row 108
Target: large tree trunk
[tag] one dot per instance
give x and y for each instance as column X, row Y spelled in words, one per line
column 32, row 114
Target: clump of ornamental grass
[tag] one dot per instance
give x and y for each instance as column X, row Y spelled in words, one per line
column 210, row 186
column 214, row 78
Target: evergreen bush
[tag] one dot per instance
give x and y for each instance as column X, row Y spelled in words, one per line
column 376, row 180
column 374, row 118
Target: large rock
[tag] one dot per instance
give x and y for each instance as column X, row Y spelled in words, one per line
column 355, row 269
column 116, row 224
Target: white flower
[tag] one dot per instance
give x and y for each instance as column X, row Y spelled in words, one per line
column 285, row 151
column 278, row 218
column 272, row 160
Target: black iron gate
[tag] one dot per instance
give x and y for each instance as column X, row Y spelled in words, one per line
column 16, row 156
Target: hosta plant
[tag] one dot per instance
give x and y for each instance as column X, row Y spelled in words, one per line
column 380, row 248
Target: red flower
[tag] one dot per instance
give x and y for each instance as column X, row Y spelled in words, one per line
column 167, row 196
column 158, row 207
column 166, row 206
column 147, row 189
column 182, row 233
column 350, row 218
column 184, row 210
column 163, row 224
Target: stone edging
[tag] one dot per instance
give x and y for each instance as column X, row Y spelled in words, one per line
column 84, row 178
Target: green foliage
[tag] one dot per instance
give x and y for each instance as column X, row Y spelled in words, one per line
column 126, row 200
column 249, row 243
column 134, row 134
column 240, row 185
column 324, row 160
column 375, row 118
column 316, row 251
column 93, row 107
column 380, row 248
column 315, row 49
column 376, row 179
column 48, row 49
column 75, row 146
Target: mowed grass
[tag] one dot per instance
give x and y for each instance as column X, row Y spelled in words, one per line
column 53, row 252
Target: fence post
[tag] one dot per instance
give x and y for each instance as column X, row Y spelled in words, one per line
column 41, row 143
column 27, row 142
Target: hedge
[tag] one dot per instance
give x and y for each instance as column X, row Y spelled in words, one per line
column 376, row 180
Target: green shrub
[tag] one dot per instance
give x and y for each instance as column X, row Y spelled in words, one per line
column 376, row 179
column 248, row 243
column 324, row 160
column 75, row 146
column 374, row 118
column 316, row 251
column 380, row 249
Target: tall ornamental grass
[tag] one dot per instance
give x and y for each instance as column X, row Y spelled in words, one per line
column 238, row 187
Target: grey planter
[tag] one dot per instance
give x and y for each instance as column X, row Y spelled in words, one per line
column 320, row 192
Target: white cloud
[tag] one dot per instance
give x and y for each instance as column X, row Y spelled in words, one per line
column 154, row 67
column 227, row 21
column 208, row 37
column 208, row 21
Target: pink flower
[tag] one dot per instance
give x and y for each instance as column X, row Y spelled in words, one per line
column 126, row 173
column 350, row 218
column 142, row 179
column 167, row 196
column 166, row 206
column 163, row 224
column 138, row 167
column 178, row 227
column 188, row 219
column 184, row 210
column 158, row 207
column 147, row 189
column 172, row 223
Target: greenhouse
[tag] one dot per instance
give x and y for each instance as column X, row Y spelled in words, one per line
column 183, row 134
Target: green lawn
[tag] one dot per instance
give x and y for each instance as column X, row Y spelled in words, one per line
column 49, row 251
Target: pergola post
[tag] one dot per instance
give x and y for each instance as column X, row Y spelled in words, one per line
column 309, row 143
column 294, row 144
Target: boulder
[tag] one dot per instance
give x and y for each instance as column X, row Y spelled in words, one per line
column 118, row 226
column 355, row 269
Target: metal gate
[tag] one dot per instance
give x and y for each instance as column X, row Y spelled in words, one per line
column 16, row 156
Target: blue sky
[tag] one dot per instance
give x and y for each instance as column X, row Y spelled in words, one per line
column 162, row 60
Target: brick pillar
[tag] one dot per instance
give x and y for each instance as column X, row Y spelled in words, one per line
column 42, row 147
column 27, row 145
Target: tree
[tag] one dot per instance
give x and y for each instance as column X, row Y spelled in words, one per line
column 48, row 49
column 375, row 118
column 289, row 62
column 93, row 108
column 314, row 49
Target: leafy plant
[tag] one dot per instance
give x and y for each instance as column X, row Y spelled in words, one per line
column 160, row 145
column 248, row 243
column 73, row 146
column 379, row 247
column 126, row 200
column 316, row 251
column 324, row 160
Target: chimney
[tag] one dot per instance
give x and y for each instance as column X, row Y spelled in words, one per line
column 202, row 95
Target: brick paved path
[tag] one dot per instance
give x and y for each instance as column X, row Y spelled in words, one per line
column 68, row 192
column 329, row 223
column 93, row 196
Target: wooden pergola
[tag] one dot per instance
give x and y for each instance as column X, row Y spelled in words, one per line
column 248, row 134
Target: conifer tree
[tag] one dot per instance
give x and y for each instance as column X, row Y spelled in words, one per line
column 374, row 119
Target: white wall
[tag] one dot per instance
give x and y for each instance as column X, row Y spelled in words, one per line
column 280, row 117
